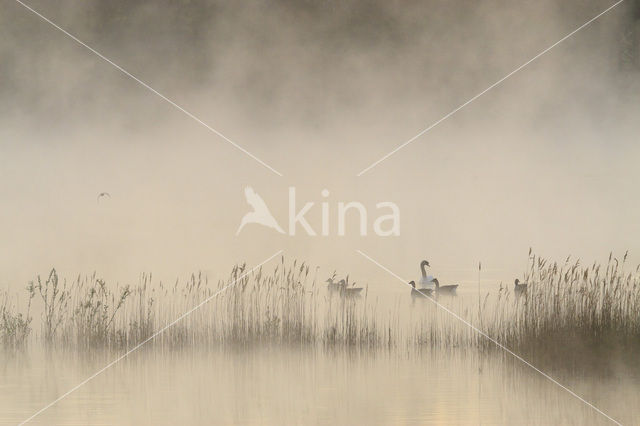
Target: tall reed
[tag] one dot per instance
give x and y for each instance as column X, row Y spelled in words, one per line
column 290, row 305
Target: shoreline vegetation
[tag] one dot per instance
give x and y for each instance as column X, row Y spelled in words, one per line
column 567, row 310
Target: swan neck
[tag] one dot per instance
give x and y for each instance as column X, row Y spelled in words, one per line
column 423, row 268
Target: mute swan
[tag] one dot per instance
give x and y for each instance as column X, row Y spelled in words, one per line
column 426, row 281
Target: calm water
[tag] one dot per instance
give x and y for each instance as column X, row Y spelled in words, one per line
column 293, row 386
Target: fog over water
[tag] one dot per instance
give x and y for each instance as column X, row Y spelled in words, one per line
column 276, row 387
column 319, row 91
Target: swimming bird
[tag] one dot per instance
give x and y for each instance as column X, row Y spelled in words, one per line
column 102, row 194
column 426, row 281
column 445, row 289
column 260, row 213
column 519, row 288
column 346, row 291
column 419, row 293
column 332, row 285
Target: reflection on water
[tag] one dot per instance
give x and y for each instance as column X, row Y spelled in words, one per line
column 292, row 386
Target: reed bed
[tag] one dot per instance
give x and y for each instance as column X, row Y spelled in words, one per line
column 571, row 307
column 290, row 305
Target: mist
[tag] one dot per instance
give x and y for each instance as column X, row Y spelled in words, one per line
column 318, row 91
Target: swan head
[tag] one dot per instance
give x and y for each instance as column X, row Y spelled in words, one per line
column 413, row 284
column 342, row 282
column 423, row 267
column 436, row 282
column 517, row 281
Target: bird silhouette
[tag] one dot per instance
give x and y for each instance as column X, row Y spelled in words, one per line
column 260, row 213
column 426, row 281
column 519, row 288
column 445, row 289
column 103, row 194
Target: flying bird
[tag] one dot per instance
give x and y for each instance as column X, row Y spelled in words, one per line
column 260, row 213
column 101, row 195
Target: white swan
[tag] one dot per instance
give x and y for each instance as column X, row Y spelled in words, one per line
column 260, row 213
column 426, row 281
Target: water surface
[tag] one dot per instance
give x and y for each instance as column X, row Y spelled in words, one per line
column 310, row 386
